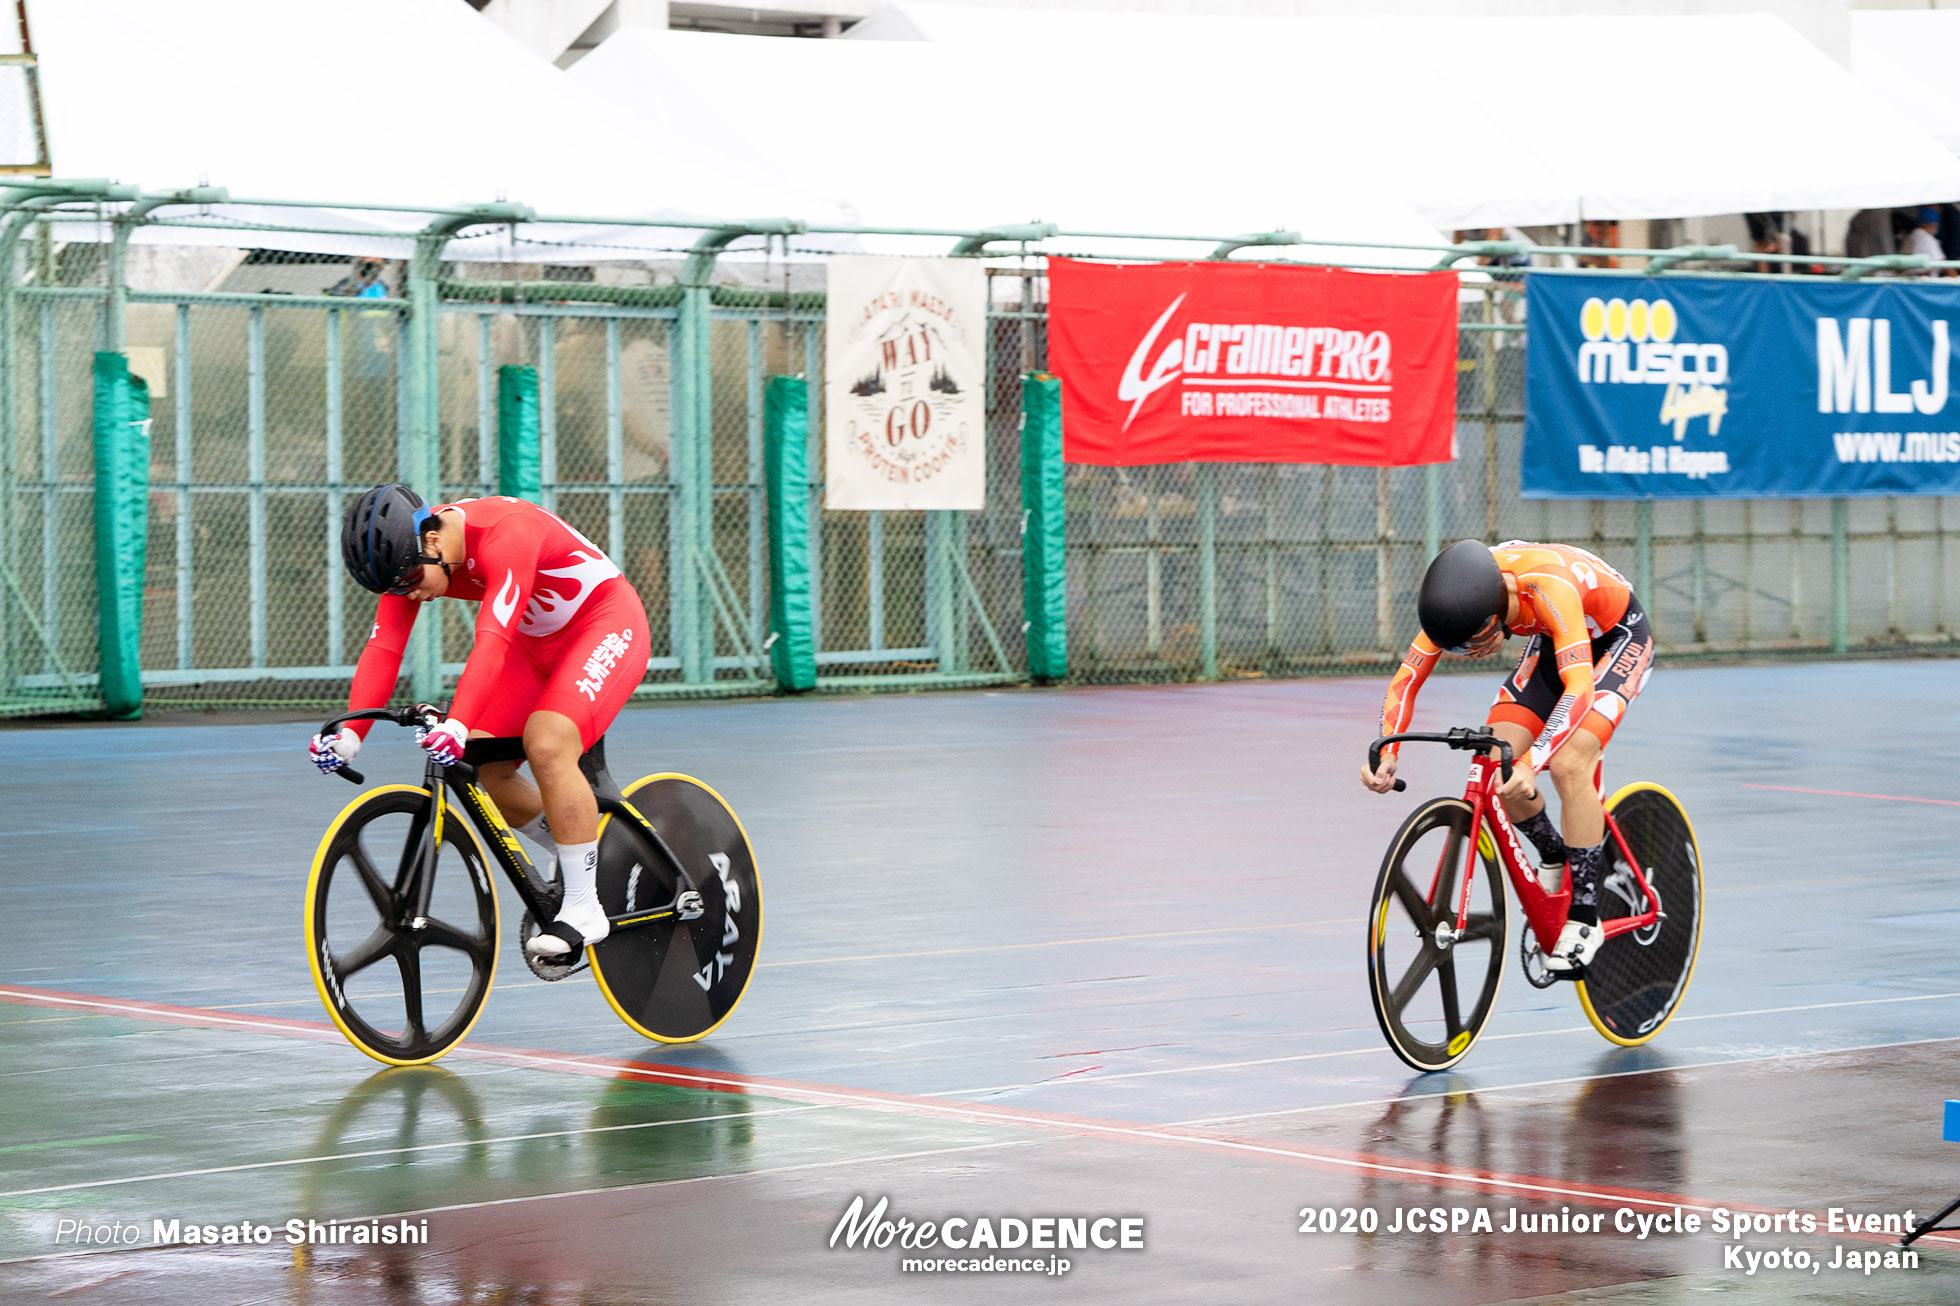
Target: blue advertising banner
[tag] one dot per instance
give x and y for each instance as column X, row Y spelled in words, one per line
column 1688, row 387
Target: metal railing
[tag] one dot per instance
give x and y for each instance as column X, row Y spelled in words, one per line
column 276, row 394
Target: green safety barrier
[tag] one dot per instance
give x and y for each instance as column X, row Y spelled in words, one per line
column 122, row 524
column 786, row 442
column 519, row 465
column 1044, row 553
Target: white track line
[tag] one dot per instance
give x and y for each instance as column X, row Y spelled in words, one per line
column 404, row 1151
column 1463, row 1090
column 1362, row 1051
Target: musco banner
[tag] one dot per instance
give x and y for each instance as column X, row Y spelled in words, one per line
column 1252, row 362
column 905, row 383
column 1685, row 387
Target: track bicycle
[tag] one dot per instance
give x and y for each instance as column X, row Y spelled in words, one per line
column 1436, row 929
column 399, row 878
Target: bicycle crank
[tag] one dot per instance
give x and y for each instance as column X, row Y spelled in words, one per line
column 1536, row 972
column 546, row 968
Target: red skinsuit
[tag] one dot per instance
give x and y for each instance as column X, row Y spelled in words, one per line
column 1565, row 594
column 559, row 629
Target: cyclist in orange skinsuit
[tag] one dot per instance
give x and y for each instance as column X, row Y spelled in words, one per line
column 1589, row 655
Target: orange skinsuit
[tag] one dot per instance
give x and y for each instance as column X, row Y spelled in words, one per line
column 1565, row 594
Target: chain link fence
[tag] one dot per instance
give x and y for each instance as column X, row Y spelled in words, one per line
column 282, row 384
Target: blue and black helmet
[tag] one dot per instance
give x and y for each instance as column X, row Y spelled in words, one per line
column 381, row 536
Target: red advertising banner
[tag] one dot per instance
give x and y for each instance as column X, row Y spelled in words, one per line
column 1252, row 362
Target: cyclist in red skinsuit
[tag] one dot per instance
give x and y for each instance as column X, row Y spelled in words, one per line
column 1588, row 657
column 561, row 642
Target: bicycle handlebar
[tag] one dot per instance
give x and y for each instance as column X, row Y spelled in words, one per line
column 1475, row 739
column 417, row 714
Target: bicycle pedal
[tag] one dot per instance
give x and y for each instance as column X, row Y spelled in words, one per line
column 551, row 970
column 689, row 906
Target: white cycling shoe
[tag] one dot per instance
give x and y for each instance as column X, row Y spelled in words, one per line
column 1576, row 947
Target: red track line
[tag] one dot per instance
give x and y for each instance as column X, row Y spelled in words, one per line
column 1845, row 793
column 1432, row 1174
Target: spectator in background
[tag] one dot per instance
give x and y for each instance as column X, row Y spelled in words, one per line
column 1870, row 234
column 368, row 342
column 363, row 282
column 1766, row 234
column 1924, row 238
column 1950, row 232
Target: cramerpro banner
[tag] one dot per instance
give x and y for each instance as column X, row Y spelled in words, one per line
column 1252, row 362
column 1642, row 387
column 905, row 383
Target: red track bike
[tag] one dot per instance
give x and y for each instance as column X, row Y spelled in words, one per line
column 1436, row 929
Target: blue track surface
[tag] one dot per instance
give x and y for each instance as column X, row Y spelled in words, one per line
column 1139, row 905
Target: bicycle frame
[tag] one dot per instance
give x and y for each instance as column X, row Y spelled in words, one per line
column 1546, row 912
column 539, row 895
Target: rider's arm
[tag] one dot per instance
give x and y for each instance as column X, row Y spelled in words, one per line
column 507, row 560
column 381, row 660
column 1399, row 707
column 1562, row 612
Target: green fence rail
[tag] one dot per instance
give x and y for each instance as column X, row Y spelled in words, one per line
column 632, row 397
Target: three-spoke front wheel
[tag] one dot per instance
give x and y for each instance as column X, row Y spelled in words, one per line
column 1434, row 985
column 403, row 980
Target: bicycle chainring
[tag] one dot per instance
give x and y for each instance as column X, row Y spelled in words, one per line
column 546, row 968
column 1536, row 972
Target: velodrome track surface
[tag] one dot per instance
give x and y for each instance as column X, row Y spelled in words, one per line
column 1086, row 952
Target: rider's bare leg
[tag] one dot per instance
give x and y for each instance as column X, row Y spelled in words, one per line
column 552, row 745
column 517, row 799
column 1582, row 816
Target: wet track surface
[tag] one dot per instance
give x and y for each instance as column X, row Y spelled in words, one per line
column 1068, row 953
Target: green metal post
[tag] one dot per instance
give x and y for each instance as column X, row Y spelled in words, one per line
column 1840, row 575
column 1432, row 510
column 420, row 455
column 122, row 515
column 691, row 416
column 519, row 472
column 1044, row 549
column 786, row 473
column 1643, row 551
column 1207, row 474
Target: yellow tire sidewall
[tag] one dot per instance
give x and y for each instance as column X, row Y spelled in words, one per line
column 313, row 940
column 1701, row 903
column 592, row 954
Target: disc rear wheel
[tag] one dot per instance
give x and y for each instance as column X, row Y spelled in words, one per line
column 1634, row 985
column 1434, row 986
column 675, row 980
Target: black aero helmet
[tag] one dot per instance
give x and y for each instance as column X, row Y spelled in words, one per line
column 381, row 536
column 1462, row 590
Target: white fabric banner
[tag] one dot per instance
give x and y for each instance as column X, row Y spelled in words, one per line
column 905, row 385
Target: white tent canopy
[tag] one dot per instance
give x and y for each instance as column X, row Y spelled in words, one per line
column 1486, row 122
column 396, row 102
column 1910, row 58
column 955, row 137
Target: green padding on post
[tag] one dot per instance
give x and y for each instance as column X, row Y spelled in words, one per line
column 519, row 471
column 1044, row 563
column 122, row 525
column 786, row 468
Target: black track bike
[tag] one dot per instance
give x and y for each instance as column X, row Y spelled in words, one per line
column 402, row 921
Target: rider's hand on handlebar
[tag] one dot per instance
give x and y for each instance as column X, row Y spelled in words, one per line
column 445, row 742
column 1383, row 780
column 1523, row 782
column 331, row 752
